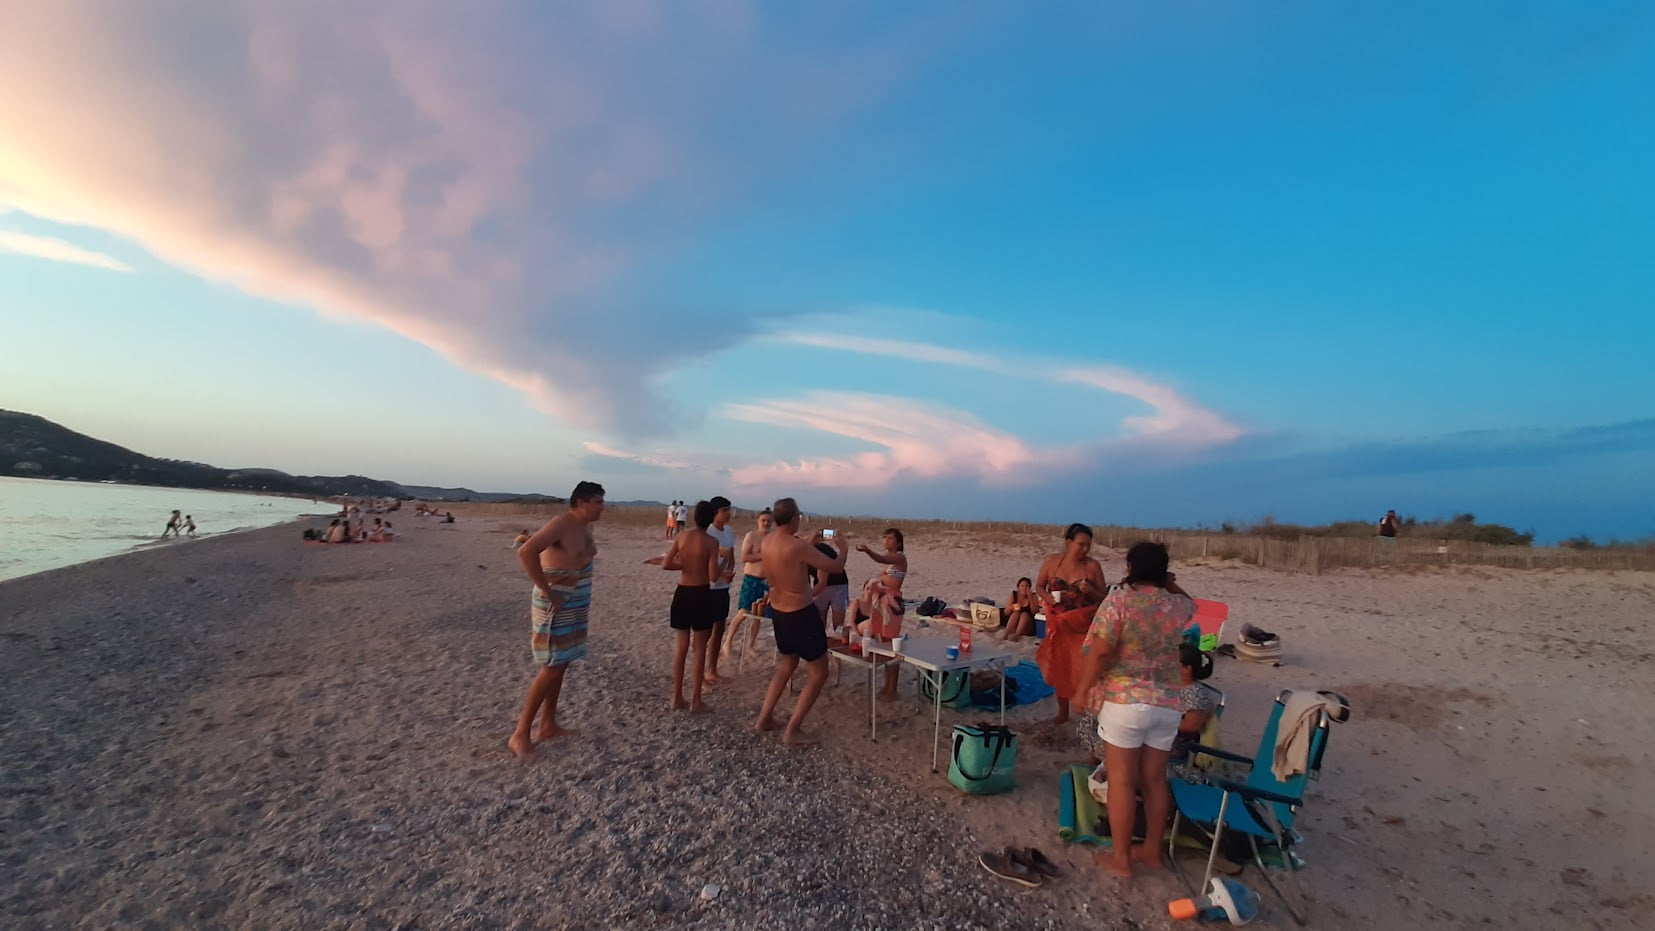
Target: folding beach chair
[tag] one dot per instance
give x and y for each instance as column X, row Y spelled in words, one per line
column 1209, row 623
column 1255, row 817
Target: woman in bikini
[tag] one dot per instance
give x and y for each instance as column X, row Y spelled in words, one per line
column 881, row 601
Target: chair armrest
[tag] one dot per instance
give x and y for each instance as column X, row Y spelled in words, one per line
column 1251, row 793
column 1193, row 749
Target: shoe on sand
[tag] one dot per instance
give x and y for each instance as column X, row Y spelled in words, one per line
column 1033, row 860
column 1002, row 866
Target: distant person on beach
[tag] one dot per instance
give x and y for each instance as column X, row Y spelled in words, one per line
column 881, row 600
column 1388, row 525
column 382, row 533
column 1068, row 585
column 338, row 531
column 831, row 590
column 448, row 517
column 174, row 524
column 189, row 525
column 722, row 532
column 798, row 626
column 672, row 519
column 1021, row 607
column 558, row 559
column 681, row 517
column 694, row 556
column 1130, row 673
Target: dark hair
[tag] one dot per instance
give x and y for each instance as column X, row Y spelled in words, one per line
column 785, row 511
column 1025, row 579
column 1076, row 530
column 704, row 514
column 893, row 532
column 584, row 492
column 1147, row 562
column 1200, row 664
column 719, row 502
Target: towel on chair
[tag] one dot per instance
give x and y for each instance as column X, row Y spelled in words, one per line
column 1299, row 715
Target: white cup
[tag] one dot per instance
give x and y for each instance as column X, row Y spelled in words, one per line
column 1057, row 598
column 899, row 644
column 867, row 644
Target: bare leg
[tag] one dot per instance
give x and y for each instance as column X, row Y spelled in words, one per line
column 888, row 693
column 679, row 651
column 1123, row 766
column 815, row 677
column 778, row 684
column 1062, row 716
column 700, row 640
column 545, row 681
column 1157, row 806
column 548, row 710
column 713, row 649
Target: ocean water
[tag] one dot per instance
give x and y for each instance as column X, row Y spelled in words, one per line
column 46, row 524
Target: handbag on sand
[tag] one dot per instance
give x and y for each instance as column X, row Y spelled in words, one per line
column 983, row 758
column 956, row 688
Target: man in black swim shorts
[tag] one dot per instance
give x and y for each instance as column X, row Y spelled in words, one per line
column 695, row 610
column 798, row 625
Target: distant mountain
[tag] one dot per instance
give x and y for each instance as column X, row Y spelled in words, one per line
column 34, row 447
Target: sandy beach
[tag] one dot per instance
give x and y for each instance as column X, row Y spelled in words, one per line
column 252, row 732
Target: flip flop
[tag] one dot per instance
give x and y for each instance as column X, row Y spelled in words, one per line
column 1002, row 866
column 1033, row 859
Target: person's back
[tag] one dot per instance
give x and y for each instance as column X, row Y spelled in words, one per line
column 1146, row 623
column 698, row 552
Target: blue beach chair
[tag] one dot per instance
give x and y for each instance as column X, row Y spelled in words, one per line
column 1257, row 814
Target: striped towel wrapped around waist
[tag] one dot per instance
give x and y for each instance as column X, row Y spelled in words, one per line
column 558, row 626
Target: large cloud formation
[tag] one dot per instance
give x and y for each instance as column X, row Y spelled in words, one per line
column 473, row 176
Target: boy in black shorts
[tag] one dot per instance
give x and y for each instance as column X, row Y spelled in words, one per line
column 694, row 553
column 798, row 625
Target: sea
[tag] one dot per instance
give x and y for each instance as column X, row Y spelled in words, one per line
column 45, row 524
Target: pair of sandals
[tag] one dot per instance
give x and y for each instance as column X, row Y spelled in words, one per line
column 1023, row 865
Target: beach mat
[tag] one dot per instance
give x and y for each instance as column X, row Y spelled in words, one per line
column 1077, row 811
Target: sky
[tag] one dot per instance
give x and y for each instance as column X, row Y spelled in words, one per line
column 1149, row 264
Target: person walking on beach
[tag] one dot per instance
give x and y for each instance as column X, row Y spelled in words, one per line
column 681, row 517
column 672, row 519
column 189, row 525
column 722, row 532
column 694, row 556
column 798, row 625
column 173, row 525
column 558, row 559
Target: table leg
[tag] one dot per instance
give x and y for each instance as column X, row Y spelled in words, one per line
column 936, row 721
column 1002, row 697
column 873, row 710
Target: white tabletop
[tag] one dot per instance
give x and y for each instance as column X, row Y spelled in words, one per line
column 932, row 653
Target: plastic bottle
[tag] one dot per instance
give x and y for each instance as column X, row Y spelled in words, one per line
column 965, row 638
column 1226, row 900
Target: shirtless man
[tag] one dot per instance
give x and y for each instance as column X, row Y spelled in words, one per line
column 726, row 537
column 753, row 584
column 798, row 625
column 694, row 554
column 558, row 559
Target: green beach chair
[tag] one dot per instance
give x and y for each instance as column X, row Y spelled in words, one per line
column 1253, row 819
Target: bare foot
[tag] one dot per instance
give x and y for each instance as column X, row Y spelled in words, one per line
column 1058, row 721
column 712, row 678
column 522, row 746
column 1113, row 862
column 678, row 703
column 547, row 733
column 1148, row 858
column 767, row 724
column 799, row 738
column 699, row 707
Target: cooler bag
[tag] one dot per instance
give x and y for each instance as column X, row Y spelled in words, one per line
column 956, row 688
column 983, row 758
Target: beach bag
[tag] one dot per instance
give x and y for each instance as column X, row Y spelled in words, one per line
column 985, row 689
column 983, row 759
column 956, row 688
column 930, row 607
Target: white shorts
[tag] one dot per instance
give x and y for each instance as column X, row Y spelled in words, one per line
column 1132, row 726
column 835, row 597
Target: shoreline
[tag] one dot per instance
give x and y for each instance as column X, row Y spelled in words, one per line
column 267, row 733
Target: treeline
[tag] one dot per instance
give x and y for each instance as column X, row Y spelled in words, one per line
column 1462, row 527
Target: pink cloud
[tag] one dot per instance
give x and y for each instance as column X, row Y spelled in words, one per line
column 914, row 440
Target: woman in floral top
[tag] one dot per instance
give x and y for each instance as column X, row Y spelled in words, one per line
column 1130, row 674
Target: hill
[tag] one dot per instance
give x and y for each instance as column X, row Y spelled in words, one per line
column 34, row 447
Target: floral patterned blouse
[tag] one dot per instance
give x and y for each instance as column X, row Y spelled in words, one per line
column 1141, row 626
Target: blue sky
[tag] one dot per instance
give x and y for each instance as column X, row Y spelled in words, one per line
column 1175, row 264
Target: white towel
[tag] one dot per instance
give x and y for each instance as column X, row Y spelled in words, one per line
column 1299, row 715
